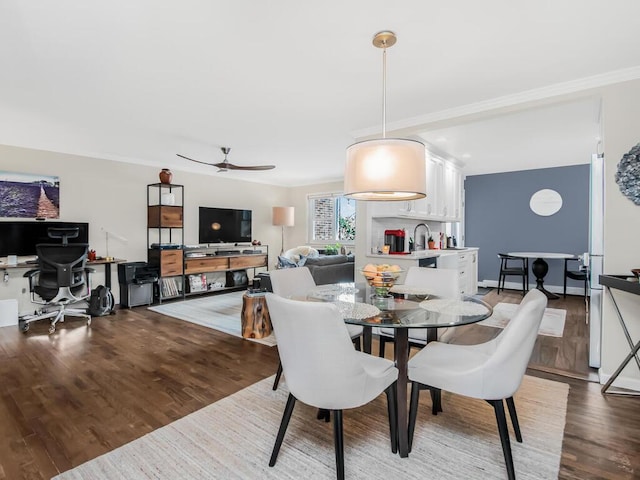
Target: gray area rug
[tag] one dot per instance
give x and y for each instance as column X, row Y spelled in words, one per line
column 220, row 312
column 552, row 322
column 233, row 438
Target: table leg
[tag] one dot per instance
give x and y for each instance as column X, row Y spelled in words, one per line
column 540, row 268
column 107, row 275
column 432, row 335
column 366, row 339
column 401, row 350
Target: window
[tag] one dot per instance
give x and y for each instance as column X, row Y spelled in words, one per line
column 332, row 218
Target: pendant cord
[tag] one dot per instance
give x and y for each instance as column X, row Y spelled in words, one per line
column 384, row 92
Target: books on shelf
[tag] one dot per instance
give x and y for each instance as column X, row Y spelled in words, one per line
column 170, row 287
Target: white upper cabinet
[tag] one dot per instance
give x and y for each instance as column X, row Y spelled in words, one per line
column 444, row 196
column 433, row 184
column 452, row 208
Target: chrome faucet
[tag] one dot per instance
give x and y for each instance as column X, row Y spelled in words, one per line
column 415, row 238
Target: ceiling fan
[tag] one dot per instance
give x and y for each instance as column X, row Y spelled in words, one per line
column 225, row 165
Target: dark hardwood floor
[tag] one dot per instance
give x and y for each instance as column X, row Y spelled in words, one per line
column 74, row 395
column 567, row 355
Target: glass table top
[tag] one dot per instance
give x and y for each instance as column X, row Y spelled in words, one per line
column 359, row 306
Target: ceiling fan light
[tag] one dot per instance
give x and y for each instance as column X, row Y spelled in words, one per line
column 385, row 169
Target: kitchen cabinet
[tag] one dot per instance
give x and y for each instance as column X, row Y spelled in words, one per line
column 433, row 185
column 443, row 201
column 466, row 263
column 452, row 193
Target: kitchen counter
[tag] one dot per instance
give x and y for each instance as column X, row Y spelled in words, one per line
column 416, row 255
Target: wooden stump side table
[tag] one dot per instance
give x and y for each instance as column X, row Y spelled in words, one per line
column 256, row 322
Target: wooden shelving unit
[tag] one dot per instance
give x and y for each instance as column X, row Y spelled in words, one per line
column 165, row 237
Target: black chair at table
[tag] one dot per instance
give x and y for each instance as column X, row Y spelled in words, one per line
column 513, row 266
column 60, row 281
column 582, row 274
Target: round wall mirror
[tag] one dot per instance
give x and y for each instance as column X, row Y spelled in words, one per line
column 545, row 202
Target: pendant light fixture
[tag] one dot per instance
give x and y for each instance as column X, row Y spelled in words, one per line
column 385, row 168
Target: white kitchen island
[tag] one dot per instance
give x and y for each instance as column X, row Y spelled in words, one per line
column 464, row 260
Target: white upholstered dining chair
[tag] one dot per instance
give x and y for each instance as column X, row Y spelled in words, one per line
column 490, row 371
column 442, row 282
column 296, row 283
column 327, row 372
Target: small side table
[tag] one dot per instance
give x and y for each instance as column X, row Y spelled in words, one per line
column 620, row 282
column 256, row 322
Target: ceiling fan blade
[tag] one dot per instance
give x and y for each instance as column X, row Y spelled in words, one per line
column 197, row 161
column 225, row 165
column 231, row 166
column 251, row 167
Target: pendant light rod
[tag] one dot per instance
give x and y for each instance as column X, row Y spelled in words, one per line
column 384, row 93
column 384, row 40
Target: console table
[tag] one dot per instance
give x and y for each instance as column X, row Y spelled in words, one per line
column 624, row 283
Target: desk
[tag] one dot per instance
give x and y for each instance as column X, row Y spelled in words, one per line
column 622, row 282
column 107, row 267
column 401, row 314
column 540, row 267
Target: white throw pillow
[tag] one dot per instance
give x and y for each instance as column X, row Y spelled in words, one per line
column 293, row 254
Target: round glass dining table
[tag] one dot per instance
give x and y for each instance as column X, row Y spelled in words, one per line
column 359, row 306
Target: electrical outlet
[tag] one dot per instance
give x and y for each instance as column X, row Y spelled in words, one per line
column 24, row 290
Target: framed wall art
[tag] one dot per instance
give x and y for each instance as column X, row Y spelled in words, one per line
column 27, row 195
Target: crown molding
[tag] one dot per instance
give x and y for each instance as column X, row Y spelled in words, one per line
column 537, row 94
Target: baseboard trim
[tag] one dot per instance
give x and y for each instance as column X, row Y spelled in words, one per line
column 627, row 383
column 518, row 286
column 587, row 377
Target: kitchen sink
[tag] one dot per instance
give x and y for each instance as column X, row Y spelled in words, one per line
column 456, row 248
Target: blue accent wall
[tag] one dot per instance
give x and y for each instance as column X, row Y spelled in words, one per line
column 498, row 218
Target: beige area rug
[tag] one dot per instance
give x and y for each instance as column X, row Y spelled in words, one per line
column 233, row 438
column 220, row 312
column 552, row 322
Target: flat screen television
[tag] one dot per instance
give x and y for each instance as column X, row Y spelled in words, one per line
column 224, row 225
column 21, row 238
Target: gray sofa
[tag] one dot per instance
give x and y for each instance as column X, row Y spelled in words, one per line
column 324, row 269
column 331, row 268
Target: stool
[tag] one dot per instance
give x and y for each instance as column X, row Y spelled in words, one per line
column 256, row 322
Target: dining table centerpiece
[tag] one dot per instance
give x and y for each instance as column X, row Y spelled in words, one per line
column 381, row 277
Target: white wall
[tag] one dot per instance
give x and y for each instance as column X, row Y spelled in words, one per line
column 621, row 128
column 113, row 196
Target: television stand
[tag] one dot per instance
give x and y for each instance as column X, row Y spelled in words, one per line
column 222, row 259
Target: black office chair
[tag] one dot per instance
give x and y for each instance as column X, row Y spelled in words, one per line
column 513, row 266
column 582, row 274
column 60, row 281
